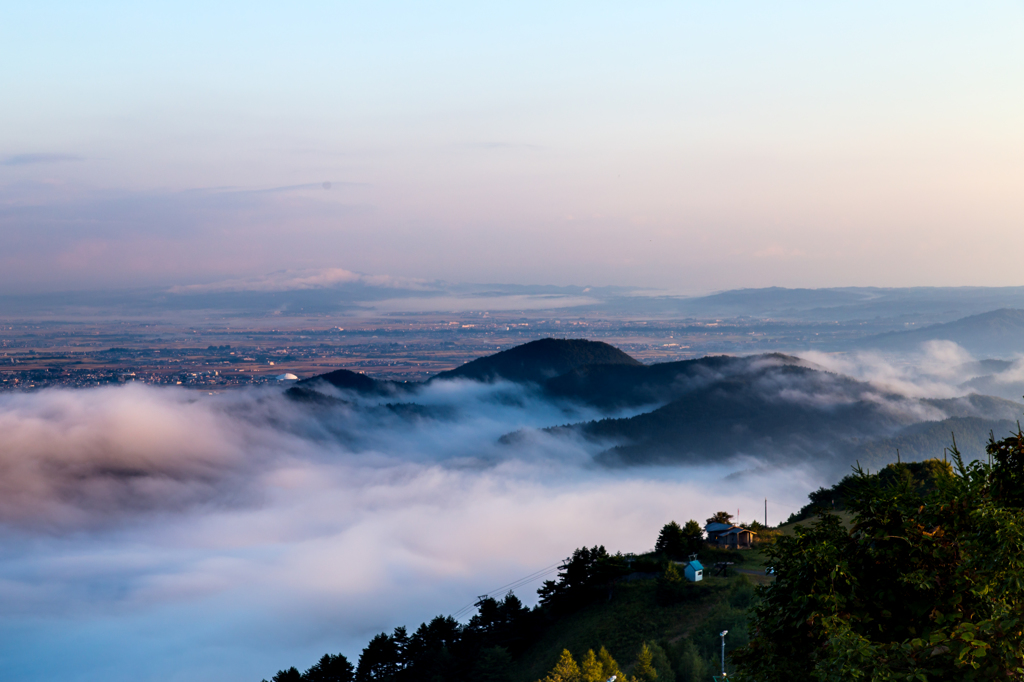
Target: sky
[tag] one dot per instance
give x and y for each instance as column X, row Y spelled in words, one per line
column 679, row 145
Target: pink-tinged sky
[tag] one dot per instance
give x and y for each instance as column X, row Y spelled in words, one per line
column 688, row 146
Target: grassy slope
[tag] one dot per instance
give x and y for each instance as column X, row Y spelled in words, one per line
column 633, row 616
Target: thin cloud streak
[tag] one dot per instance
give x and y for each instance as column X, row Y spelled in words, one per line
column 34, row 159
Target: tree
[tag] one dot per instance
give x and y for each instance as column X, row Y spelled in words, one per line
column 691, row 667
column 591, row 669
column 672, row 588
column 493, row 665
column 660, row 664
column 1008, row 474
column 565, row 670
column 643, row 669
column 609, row 667
column 721, row 517
column 926, row 584
column 380, row 660
column 504, row 623
column 430, row 652
column 289, row 675
column 330, row 669
column 693, row 536
column 580, row 578
column 671, row 541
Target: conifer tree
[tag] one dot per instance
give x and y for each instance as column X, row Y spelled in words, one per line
column 671, row 542
column 565, row 670
column 608, row 666
column 591, row 669
column 693, row 536
column 643, row 669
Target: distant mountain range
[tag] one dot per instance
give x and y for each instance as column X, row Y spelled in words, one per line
column 333, row 291
column 771, row 408
column 998, row 332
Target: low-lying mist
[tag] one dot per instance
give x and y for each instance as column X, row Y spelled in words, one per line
column 162, row 534
column 147, row 530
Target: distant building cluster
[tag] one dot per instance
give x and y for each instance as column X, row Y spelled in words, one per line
column 86, row 378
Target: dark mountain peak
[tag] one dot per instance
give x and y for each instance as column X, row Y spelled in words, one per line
column 350, row 381
column 540, row 360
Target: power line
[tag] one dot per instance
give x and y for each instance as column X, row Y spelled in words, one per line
column 536, row 575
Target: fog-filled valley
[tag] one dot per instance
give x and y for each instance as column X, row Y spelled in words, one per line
column 259, row 527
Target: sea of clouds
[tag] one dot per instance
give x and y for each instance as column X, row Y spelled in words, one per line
column 162, row 534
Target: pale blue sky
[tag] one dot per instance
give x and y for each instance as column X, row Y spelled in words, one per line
column 691, row 146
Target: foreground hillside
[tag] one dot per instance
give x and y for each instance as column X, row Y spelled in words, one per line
column 621, row 606
column 919, row 578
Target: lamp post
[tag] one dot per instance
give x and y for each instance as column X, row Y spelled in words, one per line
column 722, row 635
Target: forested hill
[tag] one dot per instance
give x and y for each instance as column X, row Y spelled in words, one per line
column 915, row 548
column 633, row 616
column 540, row 360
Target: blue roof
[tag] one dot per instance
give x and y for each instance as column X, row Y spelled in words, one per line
column 695, row 565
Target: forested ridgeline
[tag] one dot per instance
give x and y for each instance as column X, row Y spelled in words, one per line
column 602, row 608
column 919, row 577
column 924, row 581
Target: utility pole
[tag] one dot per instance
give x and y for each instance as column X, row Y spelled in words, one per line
column 766, row 513
column 722, row 635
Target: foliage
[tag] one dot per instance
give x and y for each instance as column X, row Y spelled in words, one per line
column 592, row 668
column 494, row 664
column 587, row 606
column 690, row 666
column 661, row 664
column 330, row 669
column 721, row 517
column 643, row 669
column 1008, row 473
column 609, row 668
column 582, row 577
column 698, row 656
column 565, row 670
column 694, row 536
column 922, row 475
column 927, row 584
column 381, row 660
column 673, row 588
column 671, row 542
column 676, row 542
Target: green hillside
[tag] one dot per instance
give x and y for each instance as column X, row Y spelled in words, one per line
column 685, row 633
column 620, row 603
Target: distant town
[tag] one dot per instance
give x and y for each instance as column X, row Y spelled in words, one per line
column 232, row 354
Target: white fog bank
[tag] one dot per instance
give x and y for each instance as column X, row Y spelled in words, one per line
column 156, row 534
